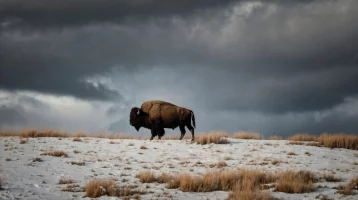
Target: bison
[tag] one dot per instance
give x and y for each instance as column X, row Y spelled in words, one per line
column 157, row 115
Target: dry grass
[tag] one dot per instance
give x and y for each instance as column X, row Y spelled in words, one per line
column 65, row 180
column 40, row 133
column 146, row 177
column 79, row 163
column 302, row 137
column 213, row 137
column 221, row 164
column 352, row 185
column 24, row 140
column 101, row 187
column 224, row 180
column 291, row 153
column 296, row 182
column 295, row 143
column 276, row 162
column 341, row 140
column 55, row 153
column 330, row 177
column 164, row 178
column 275, row 137
column 80, row 134
column 245, row 193
column 76, row 139
column 313, row 144
column 37, row 159
column 246, row 135
column 72, row 188
column 76, row 151
column 143, row 147
column 227, row 158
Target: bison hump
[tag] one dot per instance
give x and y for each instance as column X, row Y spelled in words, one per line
column 147, row 105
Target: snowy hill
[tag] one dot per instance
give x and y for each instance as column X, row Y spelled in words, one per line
column 28, row 173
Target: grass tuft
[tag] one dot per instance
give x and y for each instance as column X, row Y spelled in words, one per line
column 102, row 187
column 214, row 137
column 330, row 177
column 341, row 140
column 302, row 137
column 246, row 135
column 224, row 180
column 76, row 139
column 146, row 177
column 296, row 182
column 37, row 159
column 347, row 190
column 55, row 153
column 79, row 163
column 65, row 180
column 24, row 140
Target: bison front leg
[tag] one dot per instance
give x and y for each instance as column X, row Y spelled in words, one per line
column 182, row 130
column 153, row 133
column 160, row 132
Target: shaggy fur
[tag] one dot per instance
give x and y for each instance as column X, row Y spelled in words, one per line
column 157, row 115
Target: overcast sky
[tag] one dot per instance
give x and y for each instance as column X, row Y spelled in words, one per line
column 273, row 67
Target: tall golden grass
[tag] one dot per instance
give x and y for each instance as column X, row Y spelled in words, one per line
column 247, row 135
column 94, row 187
column 296, row 182
column 224, row 180
column 146, row 177
column 340, row 140
column 352, row 185
column 302, row 137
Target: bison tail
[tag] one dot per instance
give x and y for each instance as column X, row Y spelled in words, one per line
column 193, row 118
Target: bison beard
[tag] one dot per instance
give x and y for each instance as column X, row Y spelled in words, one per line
column 157, row 115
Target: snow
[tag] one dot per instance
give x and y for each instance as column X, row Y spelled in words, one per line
column 122, row 160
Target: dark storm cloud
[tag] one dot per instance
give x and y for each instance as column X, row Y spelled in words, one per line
column 45, row 14
column 272, row 57
column 39, row 66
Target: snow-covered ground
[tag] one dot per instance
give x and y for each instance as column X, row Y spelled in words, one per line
column 123, row 159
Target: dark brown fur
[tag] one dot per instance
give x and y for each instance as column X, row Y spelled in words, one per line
column 157, row 115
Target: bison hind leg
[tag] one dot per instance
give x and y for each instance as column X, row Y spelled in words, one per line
column 190, row 127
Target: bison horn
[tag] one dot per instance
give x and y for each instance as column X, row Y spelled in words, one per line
column 138, row 112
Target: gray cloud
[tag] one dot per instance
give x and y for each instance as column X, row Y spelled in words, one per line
column 47, row 14
column 11, row 116
column 268, row 59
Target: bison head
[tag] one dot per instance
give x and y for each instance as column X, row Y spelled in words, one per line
column 136, row 118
